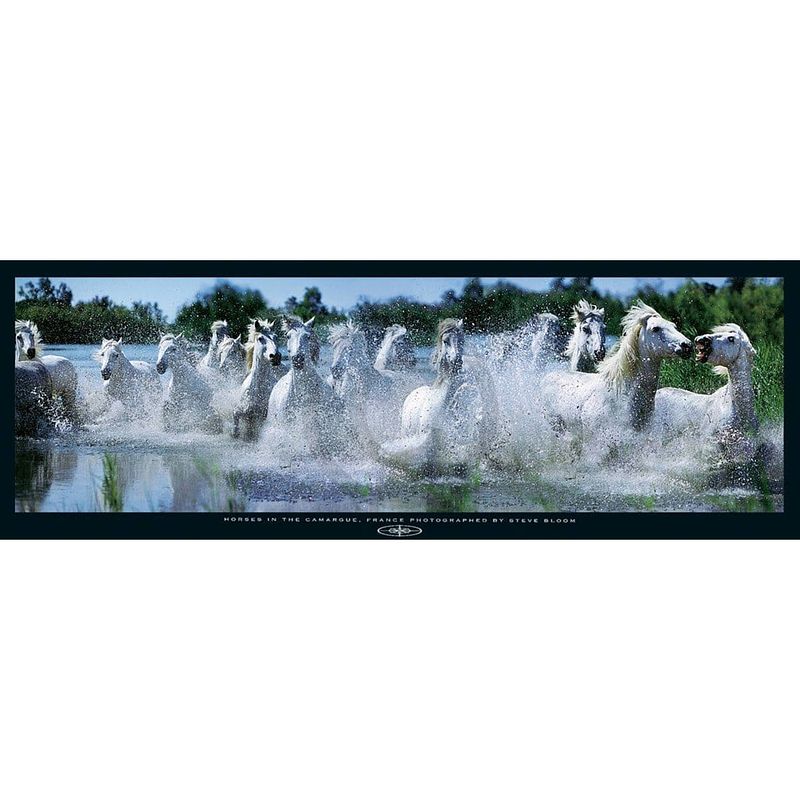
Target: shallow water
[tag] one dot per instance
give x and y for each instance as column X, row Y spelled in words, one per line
column 114, row 464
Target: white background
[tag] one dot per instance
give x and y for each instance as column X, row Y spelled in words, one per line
column 399, row 669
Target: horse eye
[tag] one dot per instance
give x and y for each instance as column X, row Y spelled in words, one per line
column 731, row 339
column 19, row 338
column 587, row 329
column 656, row 328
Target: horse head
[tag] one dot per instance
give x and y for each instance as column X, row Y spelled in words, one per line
column 27, row 340
column 301, row 341
column 172, row 350
column 724, row 347
column 448, row 356
column 109, row 356
column 349, row 349
column 589, row 336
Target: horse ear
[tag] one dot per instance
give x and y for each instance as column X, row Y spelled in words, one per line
column 310, row 323
column 601, row 312
column 119, row 341
column 256, row 324
column 239, row 338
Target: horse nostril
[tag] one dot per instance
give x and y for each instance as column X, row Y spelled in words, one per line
column 31, row 352
column 600, row 354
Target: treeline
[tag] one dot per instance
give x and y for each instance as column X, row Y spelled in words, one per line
column 695, row 307
column 86, row 322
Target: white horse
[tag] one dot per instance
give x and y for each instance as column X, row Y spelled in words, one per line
column 302, row 396
column 396, row 351
column 728, row 411
column 623, row 390
column 352, row 373
column 233, row 359
column 538, row 342
column 29, row 345
column 134, row 383
column 219, row 330
column 587, row 345
column 188, row 401
column 263, row 361
column 444, row 423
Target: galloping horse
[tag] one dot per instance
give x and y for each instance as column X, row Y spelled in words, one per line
column 28, row 346
column 396, row 352
column 263, row 361
column 188, row 401
column 730, row 409
column 623, row 390
column 587, row 345
column 134, row 383
column 302, row 396
column 233, row 359
column 352, row 374
column 219, row 330
column 445, row 423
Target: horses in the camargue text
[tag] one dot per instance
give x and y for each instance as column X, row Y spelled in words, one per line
column 587, row 345
column 396, row 351
column 28, row 346
column 219, row 330
column 188, row 402
column 263, row 361
column 302, row 397
column 445, row 424
column 622, row 392
column 730, row 409
column 135, row 384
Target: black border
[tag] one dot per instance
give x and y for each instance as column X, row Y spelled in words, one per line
column 635, row 525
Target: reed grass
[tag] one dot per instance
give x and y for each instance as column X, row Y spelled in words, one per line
column 767, row 379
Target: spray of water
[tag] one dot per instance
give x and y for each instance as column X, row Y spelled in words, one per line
column 510, row 455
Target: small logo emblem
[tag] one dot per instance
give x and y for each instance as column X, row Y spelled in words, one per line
column 399, row 530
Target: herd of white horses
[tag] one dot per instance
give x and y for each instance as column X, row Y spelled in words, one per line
column 457, row 417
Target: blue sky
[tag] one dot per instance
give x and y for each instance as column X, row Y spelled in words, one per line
column 171, row 293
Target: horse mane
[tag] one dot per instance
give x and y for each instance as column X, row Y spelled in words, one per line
column 621, row 363
column 580, row 311
column 227, row 343
column 343, row 330
column 265, row 325
column 179, row 339
column 38, row 341
column 106, row 343
column 583, row 309
column 292, row 321
column 734, row 329
column 445, row 326
column 219, row 324
column 250, row 345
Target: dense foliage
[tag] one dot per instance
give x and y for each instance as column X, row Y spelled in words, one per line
column 695, row 307
column 86, row 322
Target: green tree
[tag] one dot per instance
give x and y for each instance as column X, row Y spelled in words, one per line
column 223, row 301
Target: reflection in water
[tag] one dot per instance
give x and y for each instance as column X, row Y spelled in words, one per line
column 111, row 462
column 36, row 468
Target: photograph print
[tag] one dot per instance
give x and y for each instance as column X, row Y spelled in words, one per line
column 386, row 396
